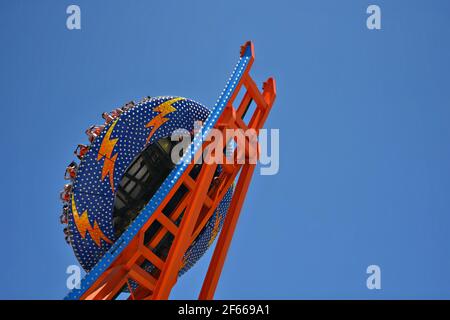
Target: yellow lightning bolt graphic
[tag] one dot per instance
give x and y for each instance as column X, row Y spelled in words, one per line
column 215, row 230
column 184, row 261
column 214, row 233
column 106, row 149
column 164, row 109
column 83, row 226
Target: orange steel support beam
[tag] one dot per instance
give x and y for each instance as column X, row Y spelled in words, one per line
column 264, row 104
column 183, row 240
column 220, row 252
column 196, row 208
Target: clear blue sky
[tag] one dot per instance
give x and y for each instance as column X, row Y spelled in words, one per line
column 363, row 117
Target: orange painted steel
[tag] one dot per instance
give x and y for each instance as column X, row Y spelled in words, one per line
column 264, row 103
column 195, row 209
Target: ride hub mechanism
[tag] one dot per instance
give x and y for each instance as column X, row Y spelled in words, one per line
column 135, row 220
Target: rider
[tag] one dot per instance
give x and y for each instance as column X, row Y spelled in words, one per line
column 81, row 150
column 71, row 171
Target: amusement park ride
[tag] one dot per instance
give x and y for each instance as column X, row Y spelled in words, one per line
column 135, row 220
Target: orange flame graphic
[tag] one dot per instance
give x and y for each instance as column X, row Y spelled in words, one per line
column 164, row 109
column 106, row 149
column 83, row 226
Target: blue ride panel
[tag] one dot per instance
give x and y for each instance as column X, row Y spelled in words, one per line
column 120, row 146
